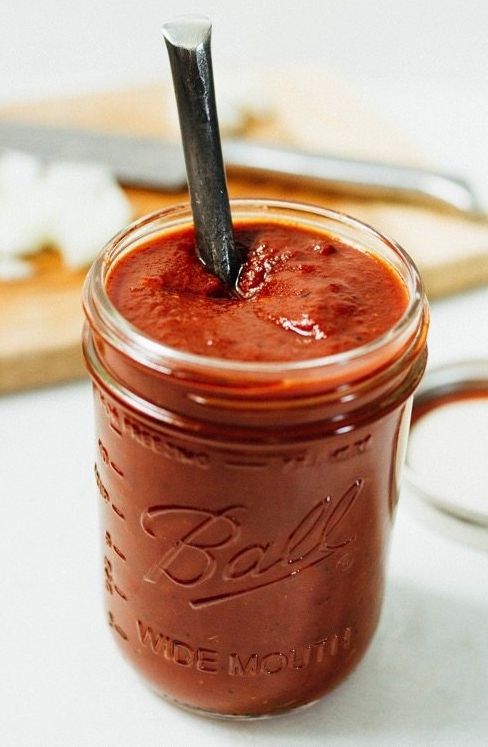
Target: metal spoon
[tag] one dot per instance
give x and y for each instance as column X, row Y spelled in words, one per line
column 188, row 42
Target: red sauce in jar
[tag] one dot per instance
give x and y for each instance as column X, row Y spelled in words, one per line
column 246, row 517
column 301, row 294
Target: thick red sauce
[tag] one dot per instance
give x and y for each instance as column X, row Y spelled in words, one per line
column 301, row 294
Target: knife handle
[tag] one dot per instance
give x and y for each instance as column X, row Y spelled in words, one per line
column 352, row 177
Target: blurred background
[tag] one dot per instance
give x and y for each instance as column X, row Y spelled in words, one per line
column 405, row 80
column 423, row 64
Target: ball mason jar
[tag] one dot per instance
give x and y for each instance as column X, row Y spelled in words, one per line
column 247, row 507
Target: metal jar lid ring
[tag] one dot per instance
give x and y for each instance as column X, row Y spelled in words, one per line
column 446, row 470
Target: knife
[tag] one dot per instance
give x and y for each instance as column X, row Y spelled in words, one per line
column 151, row 163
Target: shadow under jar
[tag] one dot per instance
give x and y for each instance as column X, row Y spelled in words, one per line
column 247, row 507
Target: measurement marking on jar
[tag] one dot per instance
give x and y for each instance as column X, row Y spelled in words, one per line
column 116, row 469
column 305, row 460
column 110, row 584
column 113, row 546
column 247, row 465
column 116, row 627
column 149, row 439
column 101, row 487
column 119, row 591
column 104, row 494
column 347, row 451
column 115, row 429
column 106, row 497
column 107, row 460
column 297, row 462
column 107, row 569
column 117, row 511
column 286, row 462
column 111, row 412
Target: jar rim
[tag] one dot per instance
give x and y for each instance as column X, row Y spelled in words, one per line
column 131, row 341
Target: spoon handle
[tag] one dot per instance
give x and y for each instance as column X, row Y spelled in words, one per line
column 188, row 43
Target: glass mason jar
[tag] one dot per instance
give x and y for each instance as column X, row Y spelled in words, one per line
column 246, row 507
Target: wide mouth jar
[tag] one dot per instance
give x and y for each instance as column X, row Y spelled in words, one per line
column 247, row 506
column 133, row 365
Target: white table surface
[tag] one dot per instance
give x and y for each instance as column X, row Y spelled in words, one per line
column 424, row 680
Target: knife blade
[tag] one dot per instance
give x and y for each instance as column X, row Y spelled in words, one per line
column 153, row 163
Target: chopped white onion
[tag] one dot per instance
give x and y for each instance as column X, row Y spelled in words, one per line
column 81, row 228
column 74, row 207
column 19, row 173
column 12, row 268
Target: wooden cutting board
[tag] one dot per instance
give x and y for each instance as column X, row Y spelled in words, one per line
column 41, row 318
